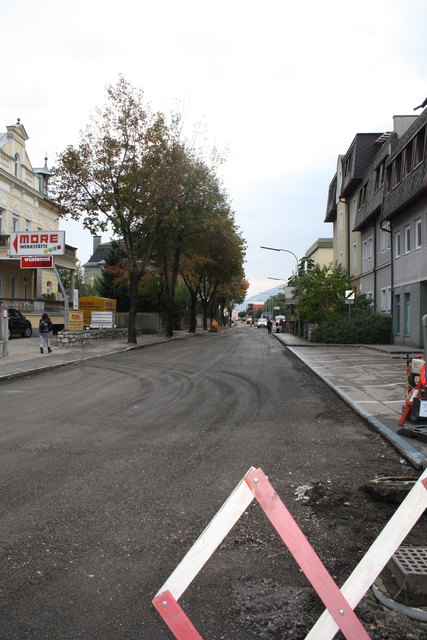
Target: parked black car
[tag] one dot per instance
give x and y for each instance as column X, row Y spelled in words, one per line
column 19, row 325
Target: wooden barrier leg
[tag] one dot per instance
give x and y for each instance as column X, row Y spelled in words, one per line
column 306, row 557
column 175, row 618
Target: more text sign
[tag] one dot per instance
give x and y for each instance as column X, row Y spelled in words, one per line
column 38, row 243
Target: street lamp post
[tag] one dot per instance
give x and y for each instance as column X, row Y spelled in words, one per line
column 296, row 273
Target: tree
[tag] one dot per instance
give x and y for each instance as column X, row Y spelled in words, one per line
column 224, row 255
column 116, row 176
column 320, row 291
column 114, row 279
column 79, row 283
column 229, row 294
column 197, row 197
column 212, row 249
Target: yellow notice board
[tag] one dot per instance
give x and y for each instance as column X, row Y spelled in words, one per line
column 93, row 303
column 75, row 320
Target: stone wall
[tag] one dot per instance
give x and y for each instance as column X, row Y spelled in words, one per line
column 75, row 338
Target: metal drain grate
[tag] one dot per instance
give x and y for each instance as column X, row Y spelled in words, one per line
column 408, row 567
column 412, row 560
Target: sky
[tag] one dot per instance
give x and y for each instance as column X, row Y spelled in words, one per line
column 280, row 87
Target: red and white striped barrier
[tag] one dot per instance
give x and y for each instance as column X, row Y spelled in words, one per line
column 339, row 604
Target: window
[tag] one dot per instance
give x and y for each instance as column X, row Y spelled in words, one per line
column 383, row 300
column 389, row 299
column 418, row 234
column 407, row 314
column 407, row 164
column 379, row 175
column 362, row 195
column 340, row 222
column 387, row 182
column 354, row 255
column 17, row 165
column 407, row 238
column 367, row 249
column 397, row 170
column 397, row 245
column 419, row 146
column 347, row 165
column 15, row 223
column 385, row 236
column 27, row 225
column 397, row 314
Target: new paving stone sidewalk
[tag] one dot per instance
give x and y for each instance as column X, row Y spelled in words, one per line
column 371, row 379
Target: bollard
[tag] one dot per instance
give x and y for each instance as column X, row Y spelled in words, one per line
column 4, row 332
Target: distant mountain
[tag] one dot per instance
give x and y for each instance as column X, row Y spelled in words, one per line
column 261, row 297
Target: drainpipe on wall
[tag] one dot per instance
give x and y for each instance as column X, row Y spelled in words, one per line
column 390, row 231
column 375, row 265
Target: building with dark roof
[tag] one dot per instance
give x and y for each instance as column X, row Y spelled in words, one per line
column 377, row 202
column 94, row 266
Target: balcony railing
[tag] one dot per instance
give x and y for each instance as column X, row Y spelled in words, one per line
column 33, row 305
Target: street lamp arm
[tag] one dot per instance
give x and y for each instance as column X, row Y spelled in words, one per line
column 286, row 250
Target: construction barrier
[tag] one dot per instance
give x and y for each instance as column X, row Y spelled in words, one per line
column 339, row 614
column 416, row 386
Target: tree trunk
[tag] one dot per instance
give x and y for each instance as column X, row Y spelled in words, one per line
column 193, row 306
column 205, row 304
column 171, row 294
column 133, row 307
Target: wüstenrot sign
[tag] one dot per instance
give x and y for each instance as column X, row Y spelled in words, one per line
column 37, row 262
column 39, row 243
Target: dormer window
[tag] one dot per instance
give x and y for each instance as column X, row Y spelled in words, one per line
column 17, row 165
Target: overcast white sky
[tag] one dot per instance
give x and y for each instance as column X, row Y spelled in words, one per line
column 282, row 86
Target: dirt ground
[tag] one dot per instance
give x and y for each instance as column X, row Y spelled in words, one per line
column 104, row 492
column 338, row 517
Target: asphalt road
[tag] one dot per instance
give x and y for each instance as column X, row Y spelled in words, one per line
column 111, row 469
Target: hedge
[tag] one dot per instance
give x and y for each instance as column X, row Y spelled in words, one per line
column 362, row 328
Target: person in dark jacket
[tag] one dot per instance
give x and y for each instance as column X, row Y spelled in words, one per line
column 269, row 325
column 45, row 327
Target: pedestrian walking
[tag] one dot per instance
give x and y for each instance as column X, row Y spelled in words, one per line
column 269, row 325
column 45, row 327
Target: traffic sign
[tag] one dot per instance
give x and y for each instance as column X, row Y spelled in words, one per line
column 349, row 296
column 36, row 262
column 38, row 243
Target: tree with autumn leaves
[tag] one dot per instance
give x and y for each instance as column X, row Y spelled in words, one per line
column 134, row 174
